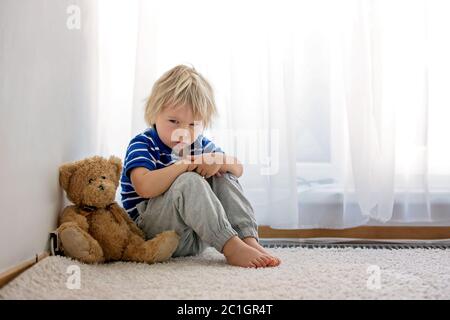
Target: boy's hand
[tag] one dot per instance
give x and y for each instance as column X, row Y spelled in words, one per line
column 208, row 164
column 189, row 165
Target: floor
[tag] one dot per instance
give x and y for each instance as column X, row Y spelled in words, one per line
column 307, row 272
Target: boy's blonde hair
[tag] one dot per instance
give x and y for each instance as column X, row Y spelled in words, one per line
column 182, row 85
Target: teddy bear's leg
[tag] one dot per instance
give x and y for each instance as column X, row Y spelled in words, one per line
column 79, row 244
column 158, row 249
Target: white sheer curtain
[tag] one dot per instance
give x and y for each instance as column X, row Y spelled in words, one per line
column 338, row 109
column 389, row 163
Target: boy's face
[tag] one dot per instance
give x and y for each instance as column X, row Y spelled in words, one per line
column 177, row 127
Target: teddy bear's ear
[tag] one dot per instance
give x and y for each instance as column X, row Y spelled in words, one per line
column 65, row 172
column 116, row 162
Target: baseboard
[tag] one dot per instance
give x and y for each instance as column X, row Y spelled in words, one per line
column 365, row 232
column 16, row 270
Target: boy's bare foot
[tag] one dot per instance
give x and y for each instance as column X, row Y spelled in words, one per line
column 240, row 254
column 252, row 242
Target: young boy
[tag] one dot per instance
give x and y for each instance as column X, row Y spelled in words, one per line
column 174, row 178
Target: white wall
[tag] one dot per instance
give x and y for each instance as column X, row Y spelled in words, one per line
column 47, row 115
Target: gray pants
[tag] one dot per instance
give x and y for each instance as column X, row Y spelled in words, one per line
column 204, row 212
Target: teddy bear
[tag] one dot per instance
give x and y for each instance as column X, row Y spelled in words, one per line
column 96, row 229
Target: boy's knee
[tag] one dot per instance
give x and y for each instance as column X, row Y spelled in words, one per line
column 189, row 176
column 225, row 181
column 188, row 179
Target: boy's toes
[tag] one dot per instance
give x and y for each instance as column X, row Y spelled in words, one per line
column 265, row 261
column 259, row 262
column 277, row 261
column 273, row 261
column 268, row 261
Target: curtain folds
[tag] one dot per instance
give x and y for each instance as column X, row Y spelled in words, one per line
column 338, row 109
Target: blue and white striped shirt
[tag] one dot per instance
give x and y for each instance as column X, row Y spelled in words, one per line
column 148, row 151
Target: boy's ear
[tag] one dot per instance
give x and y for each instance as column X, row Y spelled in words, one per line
column 116, row 163
column 65, row 172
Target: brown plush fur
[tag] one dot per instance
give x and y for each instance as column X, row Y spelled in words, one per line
column 96, row 229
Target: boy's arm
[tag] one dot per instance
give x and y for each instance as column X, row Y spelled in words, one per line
column 152, row 183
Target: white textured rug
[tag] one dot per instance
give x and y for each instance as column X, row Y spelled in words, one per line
column 342, row 273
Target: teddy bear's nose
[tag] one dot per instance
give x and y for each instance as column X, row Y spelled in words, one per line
column 101, row 187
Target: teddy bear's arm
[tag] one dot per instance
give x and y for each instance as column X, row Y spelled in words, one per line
column 133, row 227
column 70, row 215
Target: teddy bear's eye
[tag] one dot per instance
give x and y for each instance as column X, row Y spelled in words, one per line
column 90, row 180
column 103, row 177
